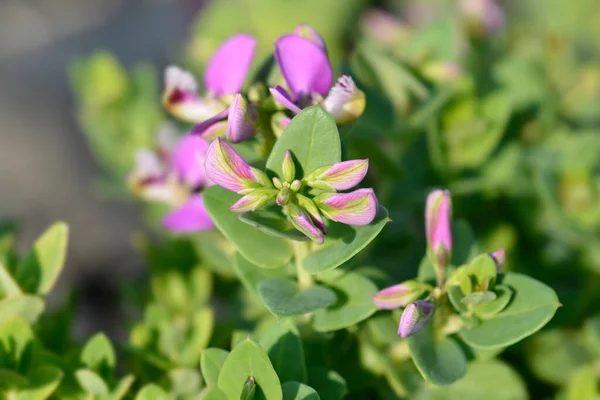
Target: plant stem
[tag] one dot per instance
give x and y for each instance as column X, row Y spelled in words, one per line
column 301, row 249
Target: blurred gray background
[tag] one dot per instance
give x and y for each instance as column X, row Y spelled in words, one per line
column 46, row 170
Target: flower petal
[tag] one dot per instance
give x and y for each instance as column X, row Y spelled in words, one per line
column 188, row 160
column 399, row 295
column 190, row 217
column 282, row 97
column 340, row 176
column 355, row 208
column 309, row 206
column 226, row 71
column 304, row 65
column 241, row 120
column 345, row 102
column 414, row 317
column 308, row 32
column 226, row 168
column 182, row 101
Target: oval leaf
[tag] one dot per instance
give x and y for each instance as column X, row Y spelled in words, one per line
column 282, row 343
column 282, row 298
column 99, row 355
column 343, row 242
column 312, row 138
column 211, row 362
column 260, row 249
column 40, row 268
column 245, row 360
column 440, row 362
column 251, row 274
column 298, row 391
column 532, row 306
column 329, row 384
column 43, row 382
column 354, row 303
column 27, row 307
column 272, row 223
column 151, row 392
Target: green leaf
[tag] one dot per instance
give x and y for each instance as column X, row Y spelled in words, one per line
column 184, row 381
column 479, row 298
column 122, row 387
column 343, row 242
column 328, row 384
column 40, row 268
column 16, row 342
column 99, row 355
column 91, row 382
column 456, row 295
column 490, row 380
column 251, row 275
column 298, row 391
column 582, row 384
column 201, row 331
column 26, row 306
column 282, row 343
column 504, row 294
column 282, row 298
column 480, row 270
column 272, row 223
column 10, row 380
column 354, row 303
column 260, row 249
column 211, row 362
column 245, row 360
column 43, row 382
column 312, row 138
column 8, row 286
column 151, row 392
column 441, row 362
column 215, row 251
column 213, row 393
column 532, row 306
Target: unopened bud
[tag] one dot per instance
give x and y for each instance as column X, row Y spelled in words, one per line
column 249, row 389
column 415, row 317
column 499, row 257
column 288, row 168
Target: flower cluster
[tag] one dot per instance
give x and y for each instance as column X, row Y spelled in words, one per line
column 304, row 211
column 224, row 111
column 173, row 174
column 417, row 312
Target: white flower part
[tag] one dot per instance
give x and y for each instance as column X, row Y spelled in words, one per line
column 167, row 137
column 340, row 93
column 345, row 102
column 147, row 164
column 178, row 78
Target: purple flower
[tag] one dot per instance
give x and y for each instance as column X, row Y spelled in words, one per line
column 174, row 174
column 304, row 64
column 355, row 208
column 438, row 215
column 340, row 176
column 228, row 169
column 189, row 217
column 224, row 78
column 414, row 317
column 484, row 15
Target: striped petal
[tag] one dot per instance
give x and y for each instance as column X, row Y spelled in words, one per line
column 399, row 295
column 254, row 200
column 302, row 222
column 355, row 208
column 241, row 120
column 227, row 169
column 340, row 176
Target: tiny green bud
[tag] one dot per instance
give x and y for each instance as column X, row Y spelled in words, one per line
column 288, row 168
column 277, row 183
column 296, row 185
column 283, row 197
column 249, row 389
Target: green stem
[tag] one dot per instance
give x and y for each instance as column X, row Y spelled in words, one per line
column 301, row 249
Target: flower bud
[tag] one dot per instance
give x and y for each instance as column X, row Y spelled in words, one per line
column 340, row 176
column 499, row 257
column 296, row 185
column 309, row 206
column 399, row 295
column 414, row 317
column 288, row 168
column 282, row 97
column 302, row 222
column 355, row 208
column 437, row 226
column 345, row 102
column 277, row 183
column 227, row 169
column 241, row 120
column 283, row 197
column 253, row 200
column 249, row 389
